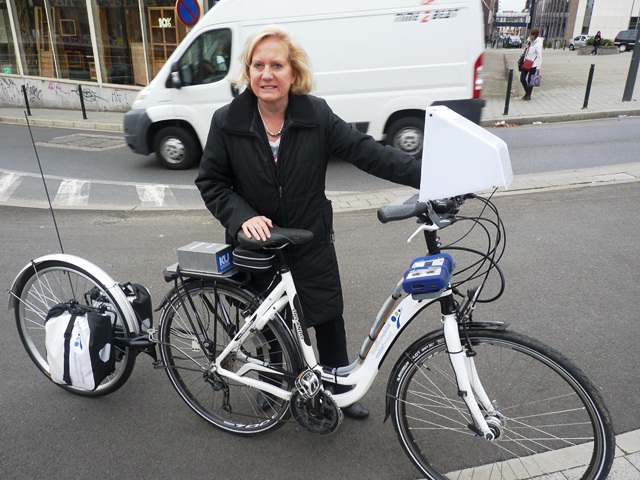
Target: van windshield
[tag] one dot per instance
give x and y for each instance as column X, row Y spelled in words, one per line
column 207, row 58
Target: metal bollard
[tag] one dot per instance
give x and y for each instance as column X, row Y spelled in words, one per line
column 26, row 100
column 506, row 100
column 84, row 112
column 586, row 94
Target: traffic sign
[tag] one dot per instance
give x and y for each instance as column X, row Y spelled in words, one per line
column 188, row 12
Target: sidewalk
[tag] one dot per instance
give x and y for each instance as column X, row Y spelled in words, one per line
column 561, row 97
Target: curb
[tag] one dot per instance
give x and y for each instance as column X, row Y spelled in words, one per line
column 76, row 125
column 559, row 117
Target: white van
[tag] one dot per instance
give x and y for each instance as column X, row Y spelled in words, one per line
column 378, row 63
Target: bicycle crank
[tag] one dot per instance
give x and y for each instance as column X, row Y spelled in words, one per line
column 319, row 415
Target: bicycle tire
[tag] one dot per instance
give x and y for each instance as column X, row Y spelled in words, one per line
column 553, row 417
column 224, row 403
column 54, row 281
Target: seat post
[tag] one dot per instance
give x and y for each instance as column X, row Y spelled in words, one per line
column 282, row 263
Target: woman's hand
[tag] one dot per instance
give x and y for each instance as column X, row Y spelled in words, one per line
column 257, row 227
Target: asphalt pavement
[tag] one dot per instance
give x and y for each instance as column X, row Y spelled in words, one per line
column 562, row 97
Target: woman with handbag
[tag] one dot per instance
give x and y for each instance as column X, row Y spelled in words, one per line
column 532, row 61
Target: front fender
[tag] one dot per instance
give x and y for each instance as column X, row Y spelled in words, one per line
column 87, row 267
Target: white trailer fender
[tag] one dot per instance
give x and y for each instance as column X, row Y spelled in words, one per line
column 95, row 272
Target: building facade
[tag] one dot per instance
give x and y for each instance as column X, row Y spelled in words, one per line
column 111, row 48
column 566, row 19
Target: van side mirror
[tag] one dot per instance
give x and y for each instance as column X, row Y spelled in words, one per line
column 174, row 80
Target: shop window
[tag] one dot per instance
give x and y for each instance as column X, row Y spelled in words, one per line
column 207, row 58
column 69, row 26
column 32, row 38
column 55, row 39
column 7, row 51
column 120, row 42
column 165, row 32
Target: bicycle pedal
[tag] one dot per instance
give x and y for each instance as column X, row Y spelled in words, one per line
column 308, row 384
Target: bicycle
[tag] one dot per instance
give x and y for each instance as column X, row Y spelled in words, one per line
column 469, row 400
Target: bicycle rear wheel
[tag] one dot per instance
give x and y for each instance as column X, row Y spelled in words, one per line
column 552, row 418
column 224, row 403
column 55, row 281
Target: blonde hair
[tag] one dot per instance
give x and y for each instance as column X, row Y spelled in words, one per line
column 298, row 59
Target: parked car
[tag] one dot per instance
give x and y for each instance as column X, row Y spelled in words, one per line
column 625, row 40
column 512, row 41
column 578, row 41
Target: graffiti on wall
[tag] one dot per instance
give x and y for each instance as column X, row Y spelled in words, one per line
column 55, row 94
column 10, row 93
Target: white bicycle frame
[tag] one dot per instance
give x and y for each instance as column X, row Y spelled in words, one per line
column 390, row 322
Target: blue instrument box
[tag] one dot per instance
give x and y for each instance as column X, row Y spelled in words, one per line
column 428, row 274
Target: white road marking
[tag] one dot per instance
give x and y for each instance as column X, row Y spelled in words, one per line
column 155, row 195
column 8, row 184
column 73, row 192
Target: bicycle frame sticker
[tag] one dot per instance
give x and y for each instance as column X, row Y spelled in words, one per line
column 394, row 324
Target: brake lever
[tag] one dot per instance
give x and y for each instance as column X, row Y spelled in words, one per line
column 439, row 221
column 422, row 228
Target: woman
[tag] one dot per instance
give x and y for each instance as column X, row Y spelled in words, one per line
column 532, row 52
column 596, row 43
column 265, row 164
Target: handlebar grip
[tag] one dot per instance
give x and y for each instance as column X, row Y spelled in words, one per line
column 391, row 213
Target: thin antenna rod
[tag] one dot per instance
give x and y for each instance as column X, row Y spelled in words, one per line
column 55, row 224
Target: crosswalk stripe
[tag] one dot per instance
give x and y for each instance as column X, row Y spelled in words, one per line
column 156, row 195
column 8, row 184
column 73, row 193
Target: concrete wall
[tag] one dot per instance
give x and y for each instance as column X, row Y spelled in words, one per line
column 58, row 94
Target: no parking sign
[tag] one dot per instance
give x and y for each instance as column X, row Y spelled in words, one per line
column 188, row 12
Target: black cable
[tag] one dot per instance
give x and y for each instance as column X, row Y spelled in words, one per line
column 55, row 224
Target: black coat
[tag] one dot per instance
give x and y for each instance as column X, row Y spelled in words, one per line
column 238, row 179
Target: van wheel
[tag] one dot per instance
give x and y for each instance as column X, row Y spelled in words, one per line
column 177, row 148
column 572, row 48
column 622, row 48
column 407, row 135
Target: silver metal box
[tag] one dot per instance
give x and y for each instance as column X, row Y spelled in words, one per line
column 205, row 257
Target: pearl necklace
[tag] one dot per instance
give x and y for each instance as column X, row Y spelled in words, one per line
column 267, row 128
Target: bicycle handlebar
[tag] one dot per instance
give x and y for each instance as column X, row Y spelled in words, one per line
column 391, row 213
column 434, row 210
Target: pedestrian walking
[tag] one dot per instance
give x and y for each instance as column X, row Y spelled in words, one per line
column 596, row 43
column 531, row 62
column 265, row 164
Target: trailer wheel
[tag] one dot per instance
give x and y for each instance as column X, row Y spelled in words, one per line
column 177, row 148
column 407, row 134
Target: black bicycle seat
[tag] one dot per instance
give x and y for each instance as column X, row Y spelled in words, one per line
column 279, row 237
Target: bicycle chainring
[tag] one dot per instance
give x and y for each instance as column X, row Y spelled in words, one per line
column 319, row 415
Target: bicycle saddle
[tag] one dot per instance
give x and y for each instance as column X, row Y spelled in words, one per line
column 279, row 237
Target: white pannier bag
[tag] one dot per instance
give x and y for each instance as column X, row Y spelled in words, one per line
column 79, row 342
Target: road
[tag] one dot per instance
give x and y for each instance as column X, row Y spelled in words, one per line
column 100, row 170
column 572, row 273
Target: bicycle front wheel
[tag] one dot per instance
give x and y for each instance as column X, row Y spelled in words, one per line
column 551, row 418
column 55, row 281
column 204, row 308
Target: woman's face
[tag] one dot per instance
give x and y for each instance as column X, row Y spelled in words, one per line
column 270, row 71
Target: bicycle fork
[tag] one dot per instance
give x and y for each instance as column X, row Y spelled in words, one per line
column 468, row 381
